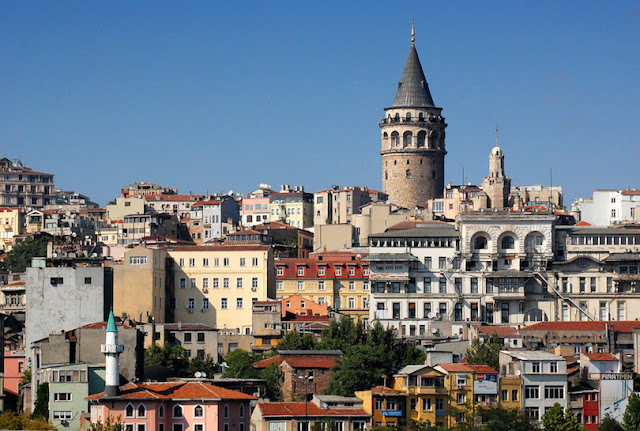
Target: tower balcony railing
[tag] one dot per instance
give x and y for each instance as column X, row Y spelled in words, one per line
column 428, row 119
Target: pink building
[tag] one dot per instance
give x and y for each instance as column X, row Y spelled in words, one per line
column 14, row 366
column 174, row 406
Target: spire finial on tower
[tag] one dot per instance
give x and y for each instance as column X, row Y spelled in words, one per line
column 413, row 33
column 497, row 135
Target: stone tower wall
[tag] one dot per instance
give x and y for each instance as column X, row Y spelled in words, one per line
column 422, row 154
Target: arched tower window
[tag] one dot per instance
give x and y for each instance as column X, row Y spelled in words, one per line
column 480, row 243
column 408, row 162
column 408, row 174
column 508, row 243
column 397, row 117
column 407, row 139
column 386, row 175
column 395, row 139
column 408, row 116
column 421, row 117
column 421, row 138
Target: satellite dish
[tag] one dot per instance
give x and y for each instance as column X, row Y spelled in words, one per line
column 434, row 331
column 517, row 372
column 198, row 374
column 430, row 315
column 203, row 374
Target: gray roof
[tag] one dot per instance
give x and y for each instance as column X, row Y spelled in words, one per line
column 623, row 257
column 420, row 232
column 410, row 369
column 413, row 90
column 528, row 355
column 588, row 230
column 395, row 257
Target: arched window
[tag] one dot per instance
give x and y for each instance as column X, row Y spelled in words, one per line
column 385, row 138
column 408, row 116
column 534, row 243
column 241, row 410
column 432, row 140
column 198, row 411
column 129, row 411
column 508, row 243
column 480, row 243
column 177, row 411
column 395, row 162
column 397, row 117
column 421, row 117
column 161, row 411
column 421, row 138
column 407, row 139
column 142, row 411
column 408, row 162
column 226, row 411
column 386, row 175
column 408, row 174
column 395, row 139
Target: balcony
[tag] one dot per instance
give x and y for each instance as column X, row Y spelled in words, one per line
column 503, row 293
column 427, row 390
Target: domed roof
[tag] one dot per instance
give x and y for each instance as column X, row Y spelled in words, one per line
column 496, row 151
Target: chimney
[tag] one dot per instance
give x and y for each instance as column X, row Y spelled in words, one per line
column 112, row 350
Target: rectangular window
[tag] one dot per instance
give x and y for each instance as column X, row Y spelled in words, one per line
column 514, row 395
column 187, row 337
column 225, row 261
column 427, row 284
column 205, row 283
column 621, row 313
column 300, row 271
column 396, row 310
column 225, row 283
column 427, row 262
column 205, row 303
column 254, row 261
column 224, row 303
column 426, row 404
column 443, row 285
column 62, row 396
column 239, row 282
column 216, row 261
column 239, row 303
column 532, row 392
column 554, row 392
column 505, row 395
column 321, row 271
column 254, row 282
column 192, row 262
column 87, row 280
column 609, row 284
column 279, row 285
column 427, row 310
column 535, row 367
column 215, row 282
column 352, row 303
column 193, row 283
column 365, row 285
column 320, row 285
column 338, row 271
column 352, row 285
column 474, row 285
column 532, row 412
column 280, row 271
column 553, row 367
column 181, row 261
column 301, row 285
column 183, row 283
column 593, row 284
column 442, row 262
column 582, row 284
column 205, row 262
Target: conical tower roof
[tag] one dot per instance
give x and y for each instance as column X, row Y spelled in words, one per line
column 413, row 90
column 111, row 324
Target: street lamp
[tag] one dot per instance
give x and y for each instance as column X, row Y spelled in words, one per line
column 306, row 395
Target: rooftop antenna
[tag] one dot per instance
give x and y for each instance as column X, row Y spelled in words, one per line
column 413, row 33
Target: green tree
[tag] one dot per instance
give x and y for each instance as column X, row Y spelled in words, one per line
column 557, row 419
column 240, row 365
column 173, row 357
column 631, row 417
column 272, row 375
column 500, row 419
column 21, row 254
column 110, row 424
column 206, row 365
column 486, row 352
column 11, row 421
column 296, row 341
column 609, row 424
column 41, row 409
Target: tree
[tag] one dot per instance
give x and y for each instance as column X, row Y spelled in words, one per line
column 110, row 424
column 206, row 365
column 173, row 357
column 486, row 352
column 500, row 419
column 631, row 417
column 11, row 421
column 296, row 341
column 558, row 420
column 240, row 365
column 41, row 409
column 21, row 254
column 609, row 424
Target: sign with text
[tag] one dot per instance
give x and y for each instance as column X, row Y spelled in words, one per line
column 391, row 412
column 616, row 376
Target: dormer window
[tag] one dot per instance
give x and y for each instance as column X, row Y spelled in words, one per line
column 300, row 271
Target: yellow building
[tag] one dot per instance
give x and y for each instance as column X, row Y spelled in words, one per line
column 11, row 223
column 139, row 285
column 511, row 392
column 338, row 279
column 426, row 394
column 217, row 285
column 385, row 405
column 292, row 206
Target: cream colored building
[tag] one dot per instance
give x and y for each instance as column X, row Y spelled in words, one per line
column 124, row 207
column 11, row 223
column 216, row 285
column 376, row 217
column 292, row 206
column 340, row 280
column 139, row 285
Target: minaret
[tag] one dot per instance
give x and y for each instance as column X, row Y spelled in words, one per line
column 413, row 140
column 496, row 185
column 112, row 350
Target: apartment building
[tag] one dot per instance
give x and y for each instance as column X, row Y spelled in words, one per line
column 144, row 189
column 217, row 216
column 12, row 222
column 21, row 186
column 338, row 279
column 292, row 206
column 179, row 205
column 217, row 285
column 338, row 204
column 609, row 207
column 255, row 206
column 544, row 379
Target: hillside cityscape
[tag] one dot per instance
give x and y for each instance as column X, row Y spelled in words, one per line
column 415, row 303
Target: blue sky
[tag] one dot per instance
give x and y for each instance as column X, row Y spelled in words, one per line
column 226, row 95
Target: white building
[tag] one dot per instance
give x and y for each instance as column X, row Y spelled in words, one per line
column 544, row 379
column 607, row 207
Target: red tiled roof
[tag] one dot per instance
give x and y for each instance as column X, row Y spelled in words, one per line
column 310, row 409
column 266, row 362
column 100, row 325
column 274, row 225
column 311, row 265
column 501, row 331
column 535, row 208
column 619, row 326
column 601, row 357
column 177, row 390
column 456, row 367
column 583, row 223
column 631, row 192
column 245, row 232
column 482, row 369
